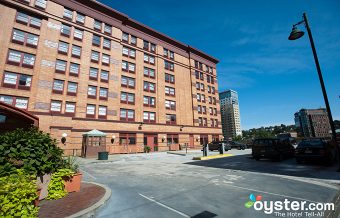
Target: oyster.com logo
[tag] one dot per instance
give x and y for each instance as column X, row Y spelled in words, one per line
column 252, row 201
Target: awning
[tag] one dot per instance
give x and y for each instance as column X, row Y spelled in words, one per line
column 95, row 133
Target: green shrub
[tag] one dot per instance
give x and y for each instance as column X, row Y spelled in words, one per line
column 17, row 194
column 32, row 150
column 56, row 188
column 147, row 149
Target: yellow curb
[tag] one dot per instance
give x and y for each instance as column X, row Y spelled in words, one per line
column 213, row 157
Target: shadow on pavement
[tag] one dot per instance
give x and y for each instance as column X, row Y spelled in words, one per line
column 287, row 167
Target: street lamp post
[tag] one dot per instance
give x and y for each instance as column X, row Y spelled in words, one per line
column 296, row 34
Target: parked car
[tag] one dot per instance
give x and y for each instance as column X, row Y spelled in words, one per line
column 315, row 149
column 217, row 144
column 271, row 148
column 237, row 145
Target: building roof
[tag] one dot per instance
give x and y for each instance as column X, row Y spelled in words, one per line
column 94, row 132
column 126, row 20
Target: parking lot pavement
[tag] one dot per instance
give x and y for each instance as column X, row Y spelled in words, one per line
column 166, row 185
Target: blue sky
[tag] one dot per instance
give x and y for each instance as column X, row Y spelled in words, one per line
column 273, row 76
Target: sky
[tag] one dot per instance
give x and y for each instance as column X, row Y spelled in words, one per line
column 273, row 76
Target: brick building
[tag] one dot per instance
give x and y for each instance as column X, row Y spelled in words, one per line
column 79, row 65
column 313, row 123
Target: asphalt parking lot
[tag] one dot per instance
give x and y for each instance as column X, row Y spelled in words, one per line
column 168, row 185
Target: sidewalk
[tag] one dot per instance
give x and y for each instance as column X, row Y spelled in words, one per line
column 80, row 203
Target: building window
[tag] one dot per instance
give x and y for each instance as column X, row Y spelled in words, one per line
column 60, row 66
column 198, row 97
column 25, row 38
column 149, row 87
column 129, row 52
column 168, row 65
column 127, row 115
column 170, row 119
column 102, row 112
column 63, row 47
column 104, row 76
column 197, row 86
column 18, row 102
column 78, row 34
column 91, row 110
column 128, row 82
column 93, row 75
column 203, row 98
column 127, row 66
column 95, row 56
column 148, row 72
column 168, row 54
column 209, row 89
column 214, row 100
column 65, row 30
column 169, row 78
column 97, row 25
column 55, row 106
column 125, row 37
column 133, row 40
column 216, row 122
column 169, row 91
column 92, row 92
column 108, row 29
column 145, row 45
column 172, row 139
column 202, row 87
column 211, row 111
column 80, row 18
column 20, row 59
column 127, row 139
column 149, row 59
column 127, row 98
column 14, row 80
column 72, row 88
column 171, row 105
column 105, row 59
column 199, row 109
column 149, row 101
column 215, row 111
column 200, row 121
column 58, row 86
column 106, row 43
column 213, row 90
column 68, row 14
column 103, row 93
column 197, row 74
column 76, row 51
column 40, row 4
column 70, row 107
column 212, row 122
column 149, row 117
column 28, row 20
column 204, row 109
column 74, row 69
column 210, row 100
column 96, row 40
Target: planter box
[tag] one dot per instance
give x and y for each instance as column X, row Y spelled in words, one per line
column 72, row 184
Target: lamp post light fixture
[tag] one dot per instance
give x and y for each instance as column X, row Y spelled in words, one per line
column 163, row 139
column 198, row 138
column 63, row 138
column 296, row 34
column 113, row 137
column 181, row 129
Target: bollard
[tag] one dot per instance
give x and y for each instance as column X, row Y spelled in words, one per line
column 222, row 148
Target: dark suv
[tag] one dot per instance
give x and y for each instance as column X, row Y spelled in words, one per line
column 216, row 145
column 271, row 148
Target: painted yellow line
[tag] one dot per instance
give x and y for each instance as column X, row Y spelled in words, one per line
column 213, row 157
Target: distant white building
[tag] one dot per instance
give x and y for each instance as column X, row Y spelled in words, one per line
column 230, row 114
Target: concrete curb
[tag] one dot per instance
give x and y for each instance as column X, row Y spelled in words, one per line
column 169, row 152
column 91, row 211
column 213, row 157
